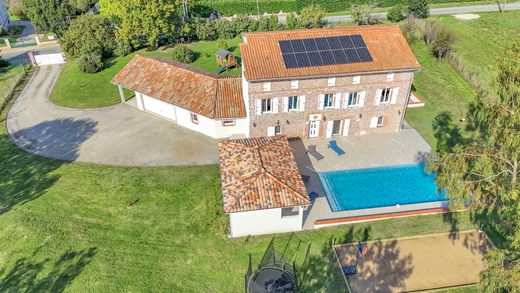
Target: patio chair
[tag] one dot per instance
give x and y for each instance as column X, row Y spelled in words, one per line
column 349, row 270
column 334, row 146
column 313, row 152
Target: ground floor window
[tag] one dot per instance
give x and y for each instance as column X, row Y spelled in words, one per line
column 290, row 212
column 380, row 121
column 277, row 129
column 336, row 127
column 228, row 123
column 195, row 118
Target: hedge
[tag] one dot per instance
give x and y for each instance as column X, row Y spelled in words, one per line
column 231, row 7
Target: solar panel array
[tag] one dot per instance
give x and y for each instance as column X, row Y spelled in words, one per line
column 324, row 51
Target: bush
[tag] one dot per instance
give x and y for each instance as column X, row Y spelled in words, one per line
column 122, row 48
column 418, row 8
column 183, row 54
column 225, row 29
column 205, row 30
column 443, row 43
column 312, row 17
column 430, row 32
column 396, row 13
column 89, row 31
column 413, row 29
column 291, row 21
column 90, row 62
column 232, row 7
column 362, row 14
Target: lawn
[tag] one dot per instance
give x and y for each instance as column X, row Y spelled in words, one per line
column 481, row 41
column 76, row 89
column 443, row 88
column 8, row 79
column 95, row 228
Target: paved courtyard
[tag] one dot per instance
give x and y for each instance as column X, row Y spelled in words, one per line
column 419, row 263
column 117, row 135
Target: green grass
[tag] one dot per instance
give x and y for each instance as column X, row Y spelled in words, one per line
column 481, row 41
column 75, row 89
column 95, row 228
column 8, row 79
column 443, row 88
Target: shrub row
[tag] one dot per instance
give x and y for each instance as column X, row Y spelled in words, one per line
column 231, row 7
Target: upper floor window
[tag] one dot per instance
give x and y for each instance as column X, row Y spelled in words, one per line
column 267, row 105
column 294, row 84
column 385, row 96
column 390, row 77
column 356, row 79
column 293, row 103
column 331, row 81
column 328, row 101
column 267, row 86
column 352, row 99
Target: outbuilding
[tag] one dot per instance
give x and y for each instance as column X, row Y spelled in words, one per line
column 262, row 188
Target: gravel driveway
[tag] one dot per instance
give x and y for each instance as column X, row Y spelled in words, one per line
column 117, row 135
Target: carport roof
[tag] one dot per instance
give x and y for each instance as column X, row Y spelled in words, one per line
column 192, row 89
column 260, row 173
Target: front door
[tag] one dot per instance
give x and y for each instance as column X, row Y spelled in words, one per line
column 314, row 128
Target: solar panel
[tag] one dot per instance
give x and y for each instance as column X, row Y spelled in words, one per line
column 324, row 51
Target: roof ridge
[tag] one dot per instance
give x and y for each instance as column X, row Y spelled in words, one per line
column 354, row 28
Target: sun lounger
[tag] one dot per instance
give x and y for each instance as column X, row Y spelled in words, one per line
column 313, row 152
column 349, row 270
column 334, row 146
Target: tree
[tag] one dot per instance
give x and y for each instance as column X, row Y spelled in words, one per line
column 485, row 172
column 89, row 30
column 362, row 14
column 144, row 22
column 418, row 8
column 182, row 54
column 396, row 13
column 90, row 61
column 312, row 16
column 49, row 15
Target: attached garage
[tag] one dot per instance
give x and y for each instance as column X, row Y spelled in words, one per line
column 158, row 107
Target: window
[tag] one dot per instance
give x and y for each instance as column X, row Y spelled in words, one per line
column 294, row 84
column 356, row 79
column 228, row 123
column 336, row 127
column 385, row 96
column 352, row 99
column 290, row 212
column 267, row 105
column 328, row 101
column 267, row 86
column 293, row 103
column 277, row 129
column 194, row 118
column 390, row 77
column 380, row 121
column 331, row 82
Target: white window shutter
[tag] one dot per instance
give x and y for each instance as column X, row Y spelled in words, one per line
column 377, row 99
column 321, row 100
column 346, row 127
column 270, row 130
column 361, row 101
column 345, row 100
column 275, row 105
column 373, row 122
column 302, row 103
column 330, row 124
column 395, row 92
column 337, row 101
column 285, row 102
column 258, row 105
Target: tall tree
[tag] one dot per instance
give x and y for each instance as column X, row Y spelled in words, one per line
column 418, row 8
column 49, row 15
column 144, row 21
column 485, row 173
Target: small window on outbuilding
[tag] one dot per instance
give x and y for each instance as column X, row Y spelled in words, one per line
column 228, row 123
column 290, row 212
column 195, row 118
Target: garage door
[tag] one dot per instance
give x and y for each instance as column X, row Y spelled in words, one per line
column 159, row 107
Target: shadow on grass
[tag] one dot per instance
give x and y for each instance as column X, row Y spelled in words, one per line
column 447, row 133
column 31, row 274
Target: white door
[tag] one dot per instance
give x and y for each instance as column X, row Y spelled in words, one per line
column 314, row 128
column 159, row 107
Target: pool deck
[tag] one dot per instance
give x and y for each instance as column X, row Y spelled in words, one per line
column 404, row 147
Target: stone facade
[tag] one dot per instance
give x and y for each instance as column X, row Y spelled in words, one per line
column 361, row 118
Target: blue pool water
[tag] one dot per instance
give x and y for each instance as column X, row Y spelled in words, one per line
column 380, row 187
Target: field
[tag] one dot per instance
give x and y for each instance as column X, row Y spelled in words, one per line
column 75, row 89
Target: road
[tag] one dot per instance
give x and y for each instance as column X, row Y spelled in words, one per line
column 438, row 11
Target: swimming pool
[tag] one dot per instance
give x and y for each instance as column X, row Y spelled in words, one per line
column 380, row 187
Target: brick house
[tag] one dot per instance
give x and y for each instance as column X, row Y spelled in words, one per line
column 303, row 83
column 347, row 97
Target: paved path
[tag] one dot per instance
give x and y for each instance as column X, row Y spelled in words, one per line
column 117, row 135
column 438, row 11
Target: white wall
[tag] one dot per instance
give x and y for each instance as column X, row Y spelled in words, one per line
column 207, row 126
column 264, row 222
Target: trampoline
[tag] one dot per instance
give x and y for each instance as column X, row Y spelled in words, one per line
column 272, row 280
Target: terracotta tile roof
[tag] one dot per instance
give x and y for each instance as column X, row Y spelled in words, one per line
column 262, row 57
column 193, row 89
column 260, row 173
